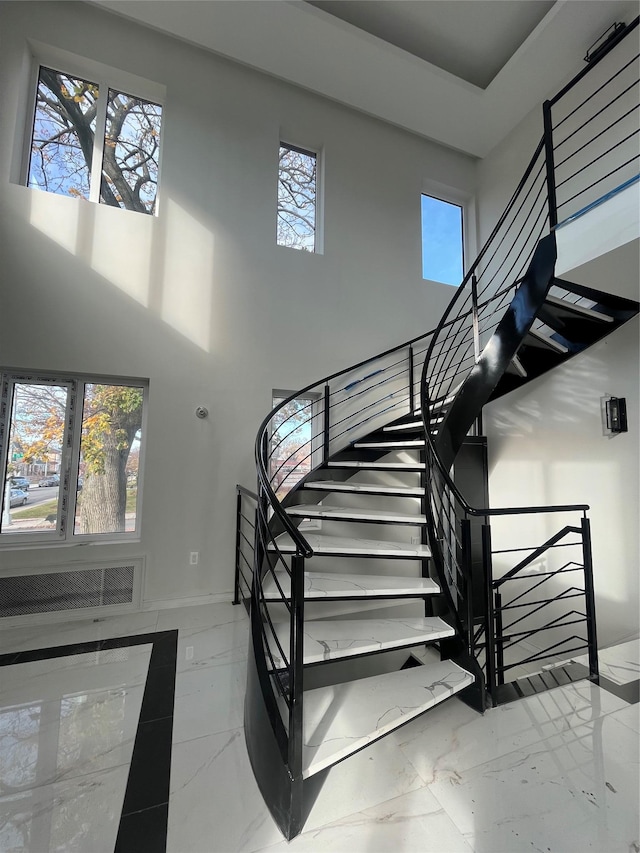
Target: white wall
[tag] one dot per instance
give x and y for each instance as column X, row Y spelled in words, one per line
column 547, row 447
column 200, row 299
column 546, row 443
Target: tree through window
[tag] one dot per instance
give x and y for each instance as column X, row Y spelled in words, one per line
column 78, row 122
column 75, row 445
column 297, row 190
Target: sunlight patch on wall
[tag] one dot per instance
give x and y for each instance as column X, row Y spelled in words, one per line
column 58, row 221
column 121, row 251
column 188, row 274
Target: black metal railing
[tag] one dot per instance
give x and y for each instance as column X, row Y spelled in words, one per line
column 592, row 131
column 309, row 426
column 596, row 152
column 535, row 616
column 301, row 433
column 246, row 509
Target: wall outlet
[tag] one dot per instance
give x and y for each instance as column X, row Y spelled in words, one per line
column 189, row 653
column 194, row 557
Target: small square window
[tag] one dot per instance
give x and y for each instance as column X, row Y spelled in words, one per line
column 78, row 124
column 297, row 198
column 442, row 241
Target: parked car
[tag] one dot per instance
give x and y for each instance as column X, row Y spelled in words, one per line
column 20, row 483
column 18, row 497
column 53, row 480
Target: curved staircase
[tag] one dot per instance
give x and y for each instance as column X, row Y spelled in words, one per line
column 370, row 583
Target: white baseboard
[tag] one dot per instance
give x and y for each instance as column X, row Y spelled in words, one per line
column 189, row 601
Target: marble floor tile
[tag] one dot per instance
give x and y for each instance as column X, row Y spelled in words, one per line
column 453, row 737
column 214, row 803
column 209, row 700
column 76, row 631
column 200, row 616
column 214, row 794
column 620, row 664
column 363, row 781
column 51, row 678
column 74, row 816
column 629, row 716
column 412, row 823
column 69, row 717
column 574, row 791
column 214, row 644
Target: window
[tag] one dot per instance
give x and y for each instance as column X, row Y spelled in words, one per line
column 442, row 241
column 297, row 193
column 296, row 441
column 94, row 142
column 70, row 456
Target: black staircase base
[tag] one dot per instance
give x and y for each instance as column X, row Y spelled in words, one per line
column 540, row 682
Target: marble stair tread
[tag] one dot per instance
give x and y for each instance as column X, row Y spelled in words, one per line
column 365, row 488
column 549, row 342
column 390, row 444
column 379, row 466
column 333, row 639
column 328, row 585
column 322, row 544
column 584, row 310
column 343, row 718
column 410, row 425
column 347, row 513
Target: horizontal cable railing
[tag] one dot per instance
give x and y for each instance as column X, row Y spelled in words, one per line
column 595, row 132
column 589, row 145
column 303, row 431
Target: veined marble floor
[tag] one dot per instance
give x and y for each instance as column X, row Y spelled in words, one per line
column 106, row 726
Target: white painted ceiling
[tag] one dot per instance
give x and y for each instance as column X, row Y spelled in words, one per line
column 460, row 72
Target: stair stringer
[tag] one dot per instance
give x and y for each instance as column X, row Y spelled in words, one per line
column 498, row 354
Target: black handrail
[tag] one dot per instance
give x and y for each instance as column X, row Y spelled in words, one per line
column 263, row 477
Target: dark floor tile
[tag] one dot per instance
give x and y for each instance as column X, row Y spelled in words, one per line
column 159, row 693
column 165, row 649
column 144, row 832
column 148, row 783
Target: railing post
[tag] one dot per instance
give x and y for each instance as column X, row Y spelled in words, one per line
column 236, row 585
column 476, row 325
column 412, row 405
column 490, row 613
column 326, row 424
column 590, row 600
column 550, row 164
column 465, row 531
column 499, row 639
column 296, row 667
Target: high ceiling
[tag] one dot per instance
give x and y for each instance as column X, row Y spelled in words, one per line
column 470, row 39
column 460, row 72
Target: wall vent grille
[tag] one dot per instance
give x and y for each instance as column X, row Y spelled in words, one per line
column 75, row 589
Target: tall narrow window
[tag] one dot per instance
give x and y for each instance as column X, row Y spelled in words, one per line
column 297, row 191
column 93, row 142
column 296, row 441
column 442, row 241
